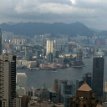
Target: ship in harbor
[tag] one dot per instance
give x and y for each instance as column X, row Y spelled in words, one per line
column 77, row 61
column 77, row 64
column 51, row 66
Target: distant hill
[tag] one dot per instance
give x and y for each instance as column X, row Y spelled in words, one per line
column 30, row 29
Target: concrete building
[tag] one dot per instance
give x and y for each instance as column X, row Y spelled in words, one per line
column 7, row 80
column 19, row 41
column 61, row 44
column 26, row 63
column 105, row 91
column 21, row 79
column 18, row 102
column 0, row 42
column 67, row 93
column 24, row 101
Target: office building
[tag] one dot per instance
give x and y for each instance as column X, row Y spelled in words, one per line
column 56, row 86
column 50, row 57
column 98, row 75
column 50, row 50
column 7, row 80
column 67, row 93
column 0, row 42
column 49, row 47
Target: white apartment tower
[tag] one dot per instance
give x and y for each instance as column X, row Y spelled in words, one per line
column 7, row 80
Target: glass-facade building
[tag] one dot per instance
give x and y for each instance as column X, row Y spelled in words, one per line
column 98, row 76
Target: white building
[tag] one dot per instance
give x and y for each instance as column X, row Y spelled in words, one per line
column 49, row 46
column 21, row 79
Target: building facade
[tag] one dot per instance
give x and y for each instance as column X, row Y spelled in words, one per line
column 67, row 93
column 49, row 47
column 98, row 75
column 7, row 80
column 0, row 42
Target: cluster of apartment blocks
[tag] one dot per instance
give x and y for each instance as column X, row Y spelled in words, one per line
column 84, row 94
column 84, row 97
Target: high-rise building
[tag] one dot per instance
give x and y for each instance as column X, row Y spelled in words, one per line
column 49, row 46
column 21, row 79
column 0, row 42
column 50, row 50
column 7, row 80
column 67, row 89
column 98, row 75
column 56, row 86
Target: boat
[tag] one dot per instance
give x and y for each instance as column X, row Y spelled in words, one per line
column 77, row 64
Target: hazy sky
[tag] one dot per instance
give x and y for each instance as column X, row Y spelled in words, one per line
column 90, row 12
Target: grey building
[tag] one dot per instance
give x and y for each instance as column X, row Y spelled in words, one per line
column 67, row 90
column 98, row 76
column 7, row 80
column 0, row 42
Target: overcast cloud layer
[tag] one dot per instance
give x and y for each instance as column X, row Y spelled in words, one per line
column 90, row 12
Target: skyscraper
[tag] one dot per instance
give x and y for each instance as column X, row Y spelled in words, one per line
column 98, row 75
column 0, row 42
column 50, row 50
column 67, row 90
column 49, row 47
column 7, row 80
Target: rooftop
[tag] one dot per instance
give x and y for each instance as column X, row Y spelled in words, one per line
column 85, row 87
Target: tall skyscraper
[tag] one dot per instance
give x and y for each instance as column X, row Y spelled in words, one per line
column 7, row 80
column 50, row 50
column 0, row 42
column 98, row 75
column 49, row 46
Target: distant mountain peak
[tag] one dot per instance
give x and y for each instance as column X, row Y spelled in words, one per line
column 30, row 29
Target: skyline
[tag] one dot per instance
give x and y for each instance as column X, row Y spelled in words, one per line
column 91, row 12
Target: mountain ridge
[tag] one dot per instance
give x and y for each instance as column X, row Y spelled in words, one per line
column 30, row 29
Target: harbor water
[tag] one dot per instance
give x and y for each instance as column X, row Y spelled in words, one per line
column 41, row 78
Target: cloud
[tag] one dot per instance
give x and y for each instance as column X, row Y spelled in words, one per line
column 90, row 12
